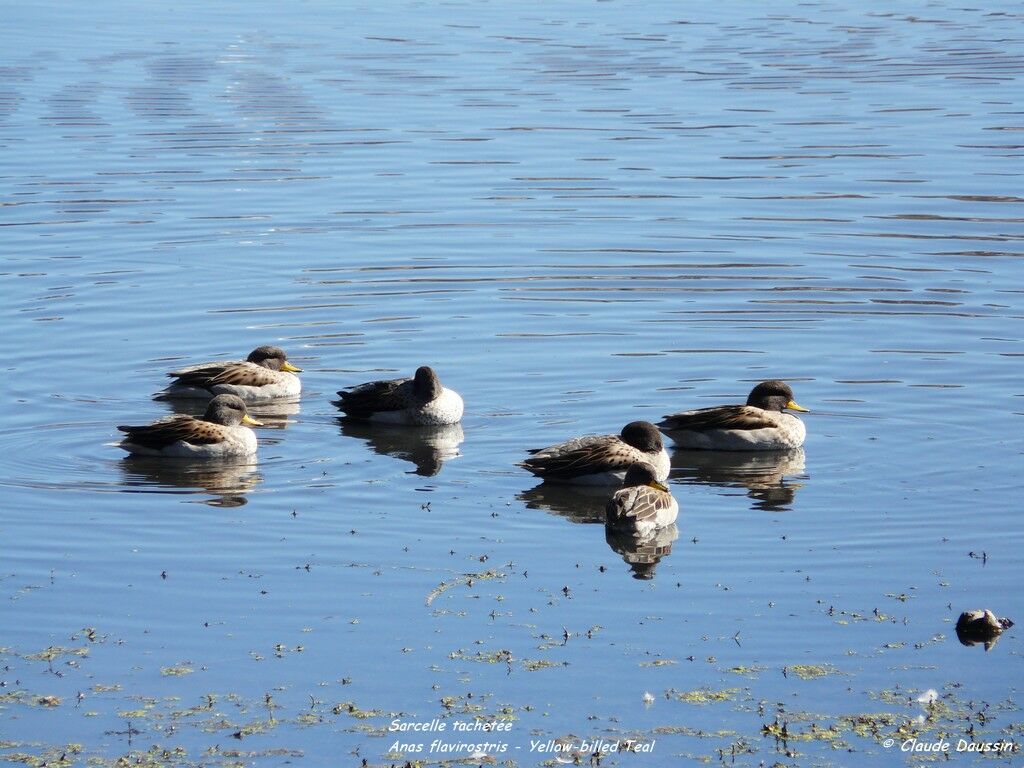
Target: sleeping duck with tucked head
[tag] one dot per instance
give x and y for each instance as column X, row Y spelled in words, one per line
column 643, row 505
column 419, row 401
column 601, row 459
column 219, row 434
column 762, row 424
column 265, row 374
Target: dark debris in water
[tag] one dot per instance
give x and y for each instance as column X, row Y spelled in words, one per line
column 163, row 732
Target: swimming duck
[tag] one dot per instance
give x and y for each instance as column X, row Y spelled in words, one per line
column 419, row 401
column 643, row 504
column 264, row 375
column 218, row 434
column 760, row 425
column 601, row 459
column 980, row 626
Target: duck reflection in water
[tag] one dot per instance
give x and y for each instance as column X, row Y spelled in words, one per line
column 762, row 473
column 588, row 505
column 428, row 448
column 576, row 503
column 272, row 414
column 227, row 481
column 642, row 554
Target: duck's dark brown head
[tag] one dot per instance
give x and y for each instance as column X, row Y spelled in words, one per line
column 425, row 384
column 272, row 357
column 642, row 435
column 230, row 411
column 773, row 395
column 643, row 473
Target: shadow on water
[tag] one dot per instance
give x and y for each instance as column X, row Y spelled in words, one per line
column 426, row 447
column 227, row 482
column 762, row 473
column 576, row 503
column 586, row 505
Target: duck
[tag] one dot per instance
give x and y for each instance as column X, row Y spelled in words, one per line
column 760, row 425
column 265, row 374
column 218, row 434
column 981, row 626
column 601, row 459
column 419, row 401
column 643, row 505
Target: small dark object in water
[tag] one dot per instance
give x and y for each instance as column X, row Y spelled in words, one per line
column 980, row 626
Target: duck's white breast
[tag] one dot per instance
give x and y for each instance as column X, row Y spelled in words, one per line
column 790, row 433
column 669, row 515
column 447, row 408
column 661, row 463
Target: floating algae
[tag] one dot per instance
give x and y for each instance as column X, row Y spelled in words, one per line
column 467, row 578
column 704, row 695
column 180, row 671
column 809, row 671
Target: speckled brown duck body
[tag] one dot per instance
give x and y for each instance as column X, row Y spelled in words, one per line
column 601, row 459
column 265, row 374
column 761, row 424
column 220, row 433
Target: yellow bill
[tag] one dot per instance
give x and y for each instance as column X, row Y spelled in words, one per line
column 286, row 366
column 794, row 407
column 247, row 419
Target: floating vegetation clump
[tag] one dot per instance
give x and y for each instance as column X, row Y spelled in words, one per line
column 179, row 671
column 55, row 652
column 483, row 657
column 50, row 757
column 810, row 671
column 704, row 695
column 532, row 665
column 467, row 579
column 744, row 671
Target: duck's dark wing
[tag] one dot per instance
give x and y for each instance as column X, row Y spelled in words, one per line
column 237, row 374
column 167, row 432
column 363, row 401
column 743, row 417
column 582, row 456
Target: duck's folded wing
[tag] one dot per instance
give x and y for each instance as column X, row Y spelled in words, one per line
column 649, row 504
column 582, row 456
column 170, row 431
column 639, row 505
column 374, row 397
column 741, row 417
column 243, row 374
